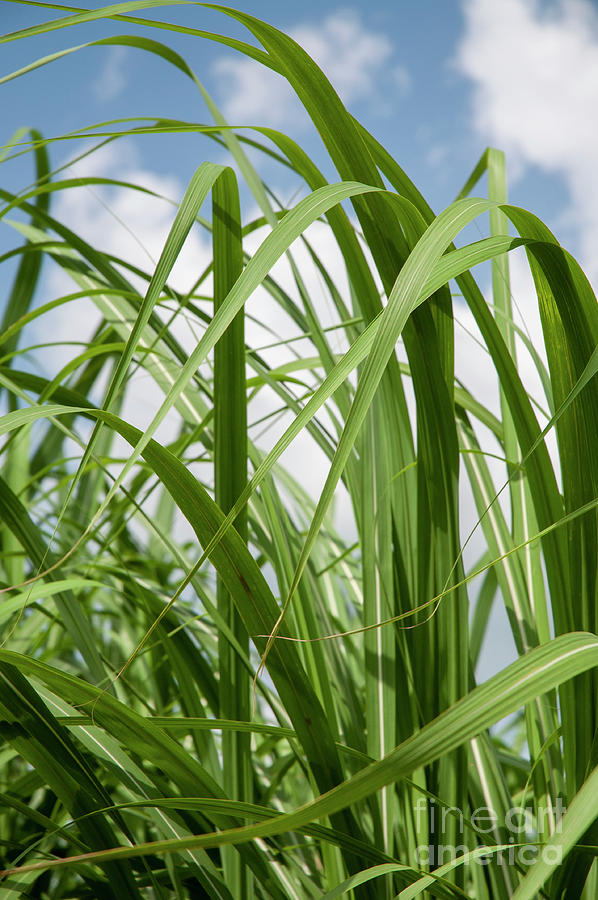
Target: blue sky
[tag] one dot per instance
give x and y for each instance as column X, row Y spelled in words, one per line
column 436, row 81
column 414, row 117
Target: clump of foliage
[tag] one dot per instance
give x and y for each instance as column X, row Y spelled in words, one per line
column 176, row 720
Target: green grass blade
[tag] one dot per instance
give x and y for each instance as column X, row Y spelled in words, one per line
column 540, row 670
column 230, row 478
column 580, row 815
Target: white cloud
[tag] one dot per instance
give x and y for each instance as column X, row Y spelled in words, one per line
column 356, row 60
column 437, row 155
column 134, row 227
column 112, row 80
column 128, row 223
column 100, row 214
column 535, row 75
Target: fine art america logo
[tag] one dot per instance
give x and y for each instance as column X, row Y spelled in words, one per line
column 520, row 836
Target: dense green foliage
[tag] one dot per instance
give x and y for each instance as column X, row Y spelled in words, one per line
column 164, row 733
